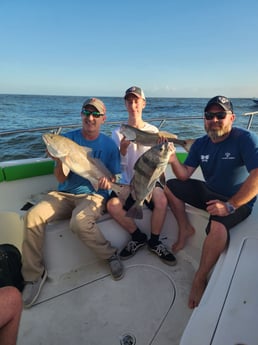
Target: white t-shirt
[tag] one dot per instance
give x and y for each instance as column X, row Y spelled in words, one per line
column 134, row 151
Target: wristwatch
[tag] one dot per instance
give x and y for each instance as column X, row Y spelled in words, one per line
column 231, row 209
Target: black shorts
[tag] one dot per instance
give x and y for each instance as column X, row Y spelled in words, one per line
column 130, row 200
column 196, row 193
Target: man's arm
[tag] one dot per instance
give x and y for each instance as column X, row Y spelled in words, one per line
column 248, row 190
column 58, row 171
column 182, row 172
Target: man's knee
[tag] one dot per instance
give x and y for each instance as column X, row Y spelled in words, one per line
column 114, row 205
column 161, row 201
column 13, row 297
column 218, row 230
column 35, row 216
column 80, row 224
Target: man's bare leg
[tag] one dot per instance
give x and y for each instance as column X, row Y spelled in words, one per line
column 213, row 246
column 160, row 210
column 185, row 229
column 115, row 208
column 10, row 314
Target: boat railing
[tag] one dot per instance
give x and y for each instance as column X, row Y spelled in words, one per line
column 251, row 116
column 58, row 129
column 159, row 122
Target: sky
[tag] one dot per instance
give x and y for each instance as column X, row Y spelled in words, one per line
column 170, row 48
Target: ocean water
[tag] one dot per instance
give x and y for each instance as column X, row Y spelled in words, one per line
column 18, row 112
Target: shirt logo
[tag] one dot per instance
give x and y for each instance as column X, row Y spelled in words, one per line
column 228, row 156
column 205, row 158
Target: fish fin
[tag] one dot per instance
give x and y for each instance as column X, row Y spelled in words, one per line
column 167, row 134
column 87, row 149
column 162, row 179
column 154, row 178
column 148, row 197
column 188, row 144
column 66, row 169
column 122, row 191
column 135, row 212
column 66, row 164
column 133, row 192
column 95, row 184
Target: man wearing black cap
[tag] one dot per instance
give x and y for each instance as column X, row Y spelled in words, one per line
column 228, row 158
column 75, row 197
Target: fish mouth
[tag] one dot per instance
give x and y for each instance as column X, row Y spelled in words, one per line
column 45, row 139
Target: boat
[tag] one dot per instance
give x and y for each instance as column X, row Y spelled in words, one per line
column 81, row 304
column 255, row 100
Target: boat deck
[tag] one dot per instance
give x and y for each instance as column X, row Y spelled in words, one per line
column 81, row 304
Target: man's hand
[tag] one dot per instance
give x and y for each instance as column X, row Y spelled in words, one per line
column 217, row 208
column 104, row 183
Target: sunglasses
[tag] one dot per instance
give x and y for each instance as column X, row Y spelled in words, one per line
column 220, row 115
column 95, row 114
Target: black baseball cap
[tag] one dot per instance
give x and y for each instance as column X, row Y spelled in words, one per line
column 222, row 101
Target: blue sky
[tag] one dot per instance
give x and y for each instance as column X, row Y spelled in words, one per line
column 171, row 48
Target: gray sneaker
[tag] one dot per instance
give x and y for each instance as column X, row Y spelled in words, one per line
column 32, row 290
column 116, row 267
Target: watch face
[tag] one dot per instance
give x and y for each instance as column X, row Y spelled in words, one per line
column 231, row 208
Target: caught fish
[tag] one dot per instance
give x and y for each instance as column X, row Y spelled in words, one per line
column 147, row 171
column 150, row 139
column 78, row 159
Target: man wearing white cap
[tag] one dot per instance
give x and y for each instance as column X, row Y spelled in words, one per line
column 135, row 102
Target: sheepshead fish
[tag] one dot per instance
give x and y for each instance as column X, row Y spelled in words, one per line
column 78, row 159
column 147, row 171
column 150, row 139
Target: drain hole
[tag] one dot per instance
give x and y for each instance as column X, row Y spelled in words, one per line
column 128, row 339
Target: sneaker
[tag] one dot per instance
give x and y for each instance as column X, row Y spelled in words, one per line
column 32, row 290
column 116, row 267
column 131, row 249
column 163, row 253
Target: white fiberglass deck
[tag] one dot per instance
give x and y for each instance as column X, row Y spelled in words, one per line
column 81, row 304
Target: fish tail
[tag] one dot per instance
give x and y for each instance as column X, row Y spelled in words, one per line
column 135, row 212
column 122, row 190
column 177, row 141
column 186, row 144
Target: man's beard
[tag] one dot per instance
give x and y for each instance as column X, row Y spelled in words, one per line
column 216, row 134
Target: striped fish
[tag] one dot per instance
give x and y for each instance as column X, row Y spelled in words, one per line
column 147, row 170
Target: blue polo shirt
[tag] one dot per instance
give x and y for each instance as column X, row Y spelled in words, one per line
column 104, row 149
